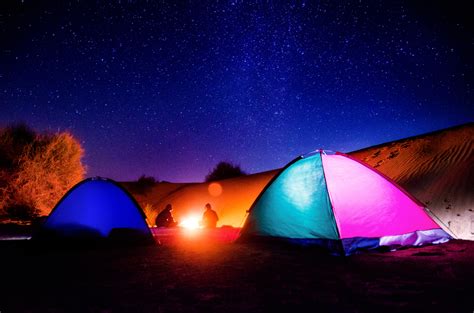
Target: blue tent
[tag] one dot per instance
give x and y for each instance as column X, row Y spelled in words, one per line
column 96, row 208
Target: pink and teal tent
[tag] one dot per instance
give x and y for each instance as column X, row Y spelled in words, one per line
column 332, row 200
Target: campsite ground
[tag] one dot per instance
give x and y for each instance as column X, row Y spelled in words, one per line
column 195, row 272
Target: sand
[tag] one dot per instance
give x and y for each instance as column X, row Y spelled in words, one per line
column 438, row 169
column 206, row 273
column 231, row 204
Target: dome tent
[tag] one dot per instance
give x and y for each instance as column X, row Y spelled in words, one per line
column 94, row 210
column 332, row 200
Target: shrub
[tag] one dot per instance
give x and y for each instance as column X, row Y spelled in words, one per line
column 224, row 170
column 36, row 170
column 151, row 213
column 146, row 181
column 143, row 184
column 13, row 140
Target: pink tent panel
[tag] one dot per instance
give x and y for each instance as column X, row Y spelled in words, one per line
column 366, row 204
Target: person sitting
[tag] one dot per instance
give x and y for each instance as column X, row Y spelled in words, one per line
column 165, row 218
column 209, row 217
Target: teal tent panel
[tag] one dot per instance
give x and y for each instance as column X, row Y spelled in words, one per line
column 295, row 205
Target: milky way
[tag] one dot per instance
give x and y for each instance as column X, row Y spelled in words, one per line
column 169, row 90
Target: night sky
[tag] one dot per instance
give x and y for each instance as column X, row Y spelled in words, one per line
column 168, row 90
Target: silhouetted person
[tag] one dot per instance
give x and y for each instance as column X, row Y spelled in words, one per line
column 165, row 218
column 209, row 217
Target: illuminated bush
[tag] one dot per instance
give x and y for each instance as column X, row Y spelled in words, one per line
column 150, row 213
column 36, row 170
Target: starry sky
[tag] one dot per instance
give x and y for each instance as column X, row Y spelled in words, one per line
column 170, row 88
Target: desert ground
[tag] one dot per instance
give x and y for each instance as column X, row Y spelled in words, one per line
column 205, row 272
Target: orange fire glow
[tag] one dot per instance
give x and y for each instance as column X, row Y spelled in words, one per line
column 191, row 222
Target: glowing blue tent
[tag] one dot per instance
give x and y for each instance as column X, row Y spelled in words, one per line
column 96, row 208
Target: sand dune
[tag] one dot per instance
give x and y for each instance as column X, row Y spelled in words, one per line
column 436, row 168
column 230, row 198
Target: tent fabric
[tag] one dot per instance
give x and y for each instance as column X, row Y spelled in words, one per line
column 96, row 208
column 299, row 198
column 337, row 202
column 395, row 213
column 417, row 238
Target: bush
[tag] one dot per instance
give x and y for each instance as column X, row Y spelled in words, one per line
column 146, row 181
column 36, row 170
column 151, row 213
column 13, row 141
column 143, row 184
column 224, row 170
